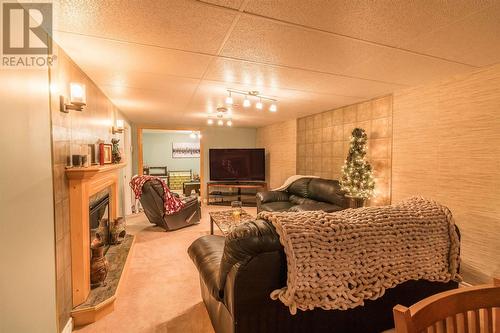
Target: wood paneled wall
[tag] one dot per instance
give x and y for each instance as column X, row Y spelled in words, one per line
column 447, row 148
column 323, row 142
column 280, row 143
column 71, row 132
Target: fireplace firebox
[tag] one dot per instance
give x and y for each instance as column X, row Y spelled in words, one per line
column 99, row 216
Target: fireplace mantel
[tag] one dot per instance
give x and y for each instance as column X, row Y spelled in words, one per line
column 83, row 183
column 87, row 173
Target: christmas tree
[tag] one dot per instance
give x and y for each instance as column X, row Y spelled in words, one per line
column 357, row 176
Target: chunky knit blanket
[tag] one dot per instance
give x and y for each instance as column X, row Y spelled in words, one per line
column 338, row 260
column 171, row 204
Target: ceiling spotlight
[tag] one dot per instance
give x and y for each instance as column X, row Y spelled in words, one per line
column 220, row 122
column 246, row 102
column 210, row 121
column 229, row 99
column 259, row 105
column 229, row 123
column 192, row 135
column 273, row 108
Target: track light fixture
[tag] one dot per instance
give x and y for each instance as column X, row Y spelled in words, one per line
column 229, row 99
column 194, row 135
column 259, row 105
column 246, row 101
column 222, row 112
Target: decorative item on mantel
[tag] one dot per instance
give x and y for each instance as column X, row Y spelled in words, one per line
column 105, row 153
column 357, row 175
column 99, row 265
column 116, row 156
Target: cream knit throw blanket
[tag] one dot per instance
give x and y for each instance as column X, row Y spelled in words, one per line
column 338, row 260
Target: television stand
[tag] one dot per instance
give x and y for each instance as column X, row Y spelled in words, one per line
column 223, row 193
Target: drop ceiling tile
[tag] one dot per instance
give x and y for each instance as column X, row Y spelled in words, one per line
column 234, row 4
column 307, row 70
column 404, row 68
column 140, row 104
column 474, row 40
column 185, row 25
column 261, row 40
column 104, row 54
column 144, row 81
column 256, row 76
column 387, row 22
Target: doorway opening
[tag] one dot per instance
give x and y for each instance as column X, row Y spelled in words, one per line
column 174, row 156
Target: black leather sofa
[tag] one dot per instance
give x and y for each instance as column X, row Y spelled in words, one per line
column 152, row 202
column 239, row 272
column 304, row 194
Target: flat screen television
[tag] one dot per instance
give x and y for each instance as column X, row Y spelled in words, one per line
column 237, row 164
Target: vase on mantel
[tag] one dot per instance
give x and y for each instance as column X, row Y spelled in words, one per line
column 356, row 202
column 99, row 266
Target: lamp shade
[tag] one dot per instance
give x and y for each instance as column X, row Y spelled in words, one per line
column 77, row 94
column 120, row 124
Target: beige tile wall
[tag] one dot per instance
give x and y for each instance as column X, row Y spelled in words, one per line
column 70, row 132
column 280, row 143
column 447, row 147
column 323, row 142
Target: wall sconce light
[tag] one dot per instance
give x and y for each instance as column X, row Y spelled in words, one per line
column 120, row 126
column 77, row 98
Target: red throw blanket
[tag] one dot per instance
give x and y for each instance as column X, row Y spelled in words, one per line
column 171, row 203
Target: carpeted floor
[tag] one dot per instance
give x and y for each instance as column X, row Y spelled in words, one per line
column 161, row 291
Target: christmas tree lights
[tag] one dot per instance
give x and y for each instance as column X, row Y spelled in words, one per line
column 357, row 174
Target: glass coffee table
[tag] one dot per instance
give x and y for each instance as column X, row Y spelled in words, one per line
column 228, row 220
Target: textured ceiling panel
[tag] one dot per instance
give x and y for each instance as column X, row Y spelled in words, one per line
column 403, row 67
column 119, row 56
column 234, row 4
column 157, row 60
column 258, row 76
column 121, row 80
column 396, row 23
column 185, row 25
column 145, row 105
column 261, row 40
column 473, row 40
column 265, row 41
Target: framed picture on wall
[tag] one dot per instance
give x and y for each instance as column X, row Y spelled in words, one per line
column 185, row 149
column 105, row 153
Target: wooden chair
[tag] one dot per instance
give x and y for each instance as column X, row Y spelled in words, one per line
column 468, row 310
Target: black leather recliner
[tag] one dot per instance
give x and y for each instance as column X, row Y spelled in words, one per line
column 152, row 202
column 304, row 194
column 239, row 272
